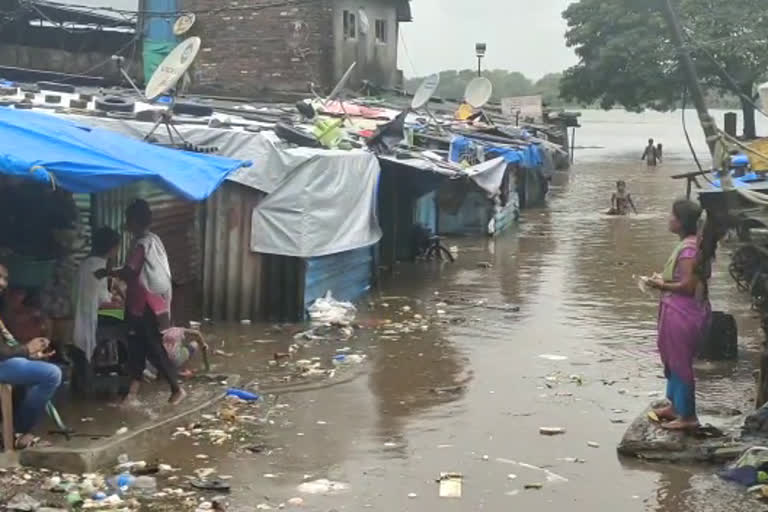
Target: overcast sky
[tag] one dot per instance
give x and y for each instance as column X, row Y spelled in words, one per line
column 522, row 35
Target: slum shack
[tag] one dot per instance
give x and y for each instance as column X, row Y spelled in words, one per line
column 59, row 180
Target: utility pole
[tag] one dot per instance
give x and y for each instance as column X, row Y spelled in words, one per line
column 692, row 77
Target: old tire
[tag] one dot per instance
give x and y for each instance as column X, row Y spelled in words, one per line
column 115, row 104
column 192, row 109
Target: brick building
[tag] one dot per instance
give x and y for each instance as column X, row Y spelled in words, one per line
column 248, row 49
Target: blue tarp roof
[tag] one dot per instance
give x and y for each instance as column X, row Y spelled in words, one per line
column 528, row 156
column 82, row 159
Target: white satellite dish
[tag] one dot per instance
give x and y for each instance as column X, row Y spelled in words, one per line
column 184, row 23
column 425, row 91
column 342, row 83
column 173, row 67
column 478, row 92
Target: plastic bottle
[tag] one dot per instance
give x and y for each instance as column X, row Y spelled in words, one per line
column 242, row 395
column 121, row 483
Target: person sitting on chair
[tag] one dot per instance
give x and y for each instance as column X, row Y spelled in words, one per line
column 21, row 366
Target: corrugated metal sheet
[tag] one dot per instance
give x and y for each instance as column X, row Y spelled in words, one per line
column 232, row 274
column 347, row 275
column 176, row 222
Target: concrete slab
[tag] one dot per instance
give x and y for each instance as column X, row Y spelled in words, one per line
column 146, row 427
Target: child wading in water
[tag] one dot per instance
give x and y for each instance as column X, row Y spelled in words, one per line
column 181, row 345
column 621, row 200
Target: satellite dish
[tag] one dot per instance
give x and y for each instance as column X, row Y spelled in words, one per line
column 184, row 23
column 425, row 91
column 342, row 83
column 173, row 67
column 478, row 92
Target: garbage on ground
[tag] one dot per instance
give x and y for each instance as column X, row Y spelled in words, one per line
column 327, row 310
column 243, row 395
column 534, row 486
column 348, row 359
column 23, row 503
column 450, row 485
column 553, row 357
column 593, row 444
column 551, row 431
column 747, row 470
column 322, row 486
column 121, row 431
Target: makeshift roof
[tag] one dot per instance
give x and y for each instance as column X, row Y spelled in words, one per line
column 86, row 160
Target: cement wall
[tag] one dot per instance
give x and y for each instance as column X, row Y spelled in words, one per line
column 376, row 59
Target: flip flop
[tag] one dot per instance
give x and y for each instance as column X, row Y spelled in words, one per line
column 211, row 485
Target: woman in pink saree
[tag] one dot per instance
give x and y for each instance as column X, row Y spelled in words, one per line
column 684, row 316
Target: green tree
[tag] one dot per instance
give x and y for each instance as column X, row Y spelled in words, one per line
column 627, row 57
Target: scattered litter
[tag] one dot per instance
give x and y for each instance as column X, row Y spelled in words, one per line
column 201, row 456
column 295, row 502
column 216, row 485
column 551, row 477
column 512, row 493
column 242, row 395
column 553, row 357
column 327, row 310
column 270, row 475
column 23, row 503
column 245, row 321
column 593, row 444
column 413, row 495
column 511, row 476
column 551, row 431
column 322, row 486
column 534, row 486
column 450, row 485
column 86, row 420
column 486, row 458
column 618, row 421
column 121, row 431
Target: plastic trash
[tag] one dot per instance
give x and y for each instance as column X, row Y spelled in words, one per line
column 551, row 431
column 327, row 310
column 23, row 503
column 322, row 486
column 348, row 359
column 242, row 395
column 450, row 485
column 145, row 484
column 121, row 483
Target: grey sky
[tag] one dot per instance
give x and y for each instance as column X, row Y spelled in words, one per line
column 522, row 35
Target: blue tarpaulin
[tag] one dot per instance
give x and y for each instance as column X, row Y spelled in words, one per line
column 88, row 160
column 528, row 156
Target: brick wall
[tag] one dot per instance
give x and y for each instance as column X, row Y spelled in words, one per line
column 246, row 52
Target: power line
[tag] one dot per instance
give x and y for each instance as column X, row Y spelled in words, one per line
column 174, row 14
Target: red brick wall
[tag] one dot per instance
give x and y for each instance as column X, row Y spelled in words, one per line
column 246, row 52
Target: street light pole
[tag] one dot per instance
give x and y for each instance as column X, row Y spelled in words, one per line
column 480, row 49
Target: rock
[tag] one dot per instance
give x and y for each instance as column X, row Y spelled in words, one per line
column 647, row 440
column 23, row 503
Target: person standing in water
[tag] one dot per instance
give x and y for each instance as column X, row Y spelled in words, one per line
column 684, row 316
column 650, row 155
column 621, row 200
column 148, row 302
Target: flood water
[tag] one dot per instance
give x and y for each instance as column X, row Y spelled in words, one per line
column 470, row 394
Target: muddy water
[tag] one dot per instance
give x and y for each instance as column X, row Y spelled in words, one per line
column 470, row 394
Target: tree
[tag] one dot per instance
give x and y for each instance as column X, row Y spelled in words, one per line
column 627, row 57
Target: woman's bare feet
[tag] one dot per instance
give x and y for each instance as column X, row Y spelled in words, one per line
column 177, row 397
column 682, row 424
column 667, row 413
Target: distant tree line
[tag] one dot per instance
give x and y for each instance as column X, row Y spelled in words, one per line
column 505, row 84
column 513, row 83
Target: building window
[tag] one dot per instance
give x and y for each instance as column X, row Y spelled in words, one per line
column 381, row 31
column 350, row 25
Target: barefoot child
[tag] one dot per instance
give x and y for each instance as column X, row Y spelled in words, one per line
column 621, row 200
column 181, row 345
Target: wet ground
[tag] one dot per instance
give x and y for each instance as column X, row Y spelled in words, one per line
column 470, row 393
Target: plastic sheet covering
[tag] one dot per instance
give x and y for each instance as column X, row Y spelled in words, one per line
column 324, row 205
column 84, row 159
column 489, row 175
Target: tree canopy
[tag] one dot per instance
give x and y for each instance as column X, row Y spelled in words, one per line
column 627, row 57
column 505, row 84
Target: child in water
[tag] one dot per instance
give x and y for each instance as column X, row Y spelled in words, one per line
column 621, row 200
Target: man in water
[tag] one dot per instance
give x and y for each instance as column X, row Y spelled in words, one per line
column 651, row 154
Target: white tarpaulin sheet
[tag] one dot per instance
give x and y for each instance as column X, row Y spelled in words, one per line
column 318, row 201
